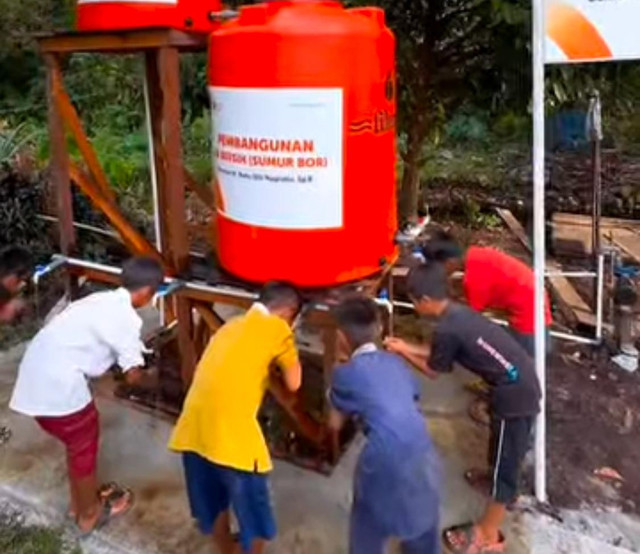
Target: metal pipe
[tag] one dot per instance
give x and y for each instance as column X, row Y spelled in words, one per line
column 574, row 338
column 572, row 274
column 555, row 334
column 594, row 123
column 154, row 183
column 600, row 297
column 197, row 287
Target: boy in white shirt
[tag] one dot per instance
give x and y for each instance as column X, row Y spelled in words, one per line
column 84, row 342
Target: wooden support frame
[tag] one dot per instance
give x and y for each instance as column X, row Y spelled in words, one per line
column 196, row 320
column 161, row 49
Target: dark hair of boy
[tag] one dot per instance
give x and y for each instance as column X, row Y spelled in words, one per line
column 441, row 247
column 428, row 280
column 139, row 273
column 279, row 294
column 358, row 318
column 15, row 260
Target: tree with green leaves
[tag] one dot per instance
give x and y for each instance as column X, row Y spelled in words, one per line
column 447, row 56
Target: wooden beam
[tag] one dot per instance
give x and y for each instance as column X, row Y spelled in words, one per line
column 186, row 340
column 152, row 73
column 201, row 337
column 123, row 41
column 629, row 243
column 571, row 303
column 60, row 157
column 514, row 225
column 213, row 320
column 203, row 192
column 587, row 221
column 167, row 129
column 74, row 126
column 330, row 340
column 172, row 183
column 291, row 404
column 136, row 242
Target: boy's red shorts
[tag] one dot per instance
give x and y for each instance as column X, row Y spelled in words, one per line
column 79, row 432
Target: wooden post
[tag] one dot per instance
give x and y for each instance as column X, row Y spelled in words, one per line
column 74, row 125
column 164, row 89
column 330, row 339
column 60, row 164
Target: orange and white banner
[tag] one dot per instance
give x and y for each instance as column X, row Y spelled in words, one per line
column 592, row 30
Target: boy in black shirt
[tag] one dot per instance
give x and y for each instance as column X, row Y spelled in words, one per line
column 468, row 338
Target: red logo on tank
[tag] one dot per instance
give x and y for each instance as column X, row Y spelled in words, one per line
column 379, row 123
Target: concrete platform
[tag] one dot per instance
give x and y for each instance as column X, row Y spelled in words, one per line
column 312, row 510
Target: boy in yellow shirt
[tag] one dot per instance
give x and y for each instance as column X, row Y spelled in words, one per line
column 225, row 456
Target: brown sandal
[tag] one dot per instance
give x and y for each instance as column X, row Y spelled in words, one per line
column 464, row 539
column 104, row 493
column 109, row 511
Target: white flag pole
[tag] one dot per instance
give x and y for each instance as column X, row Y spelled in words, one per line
column 539, row 239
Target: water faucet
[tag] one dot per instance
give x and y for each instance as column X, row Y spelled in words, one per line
column 167, row 289
column 42, row 270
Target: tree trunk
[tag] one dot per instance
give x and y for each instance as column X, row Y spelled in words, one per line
column 410, row 188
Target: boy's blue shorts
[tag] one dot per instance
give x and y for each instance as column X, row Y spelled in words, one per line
column 213, row 489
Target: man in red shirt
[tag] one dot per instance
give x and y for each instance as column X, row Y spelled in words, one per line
column 493, row 281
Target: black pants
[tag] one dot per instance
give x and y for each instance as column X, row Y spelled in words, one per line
column 509, row 443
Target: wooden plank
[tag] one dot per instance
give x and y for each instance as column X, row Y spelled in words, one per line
column 123, row 41
column 60, row 157
column 629, row 243
column 136, row 242
column 74, row 126
column 586, row 221
column 571, row 303
column 514, row 225
column 569, row 297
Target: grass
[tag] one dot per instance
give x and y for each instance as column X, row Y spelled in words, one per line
column 17, row 537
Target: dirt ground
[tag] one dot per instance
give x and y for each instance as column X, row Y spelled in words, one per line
column 593, row 423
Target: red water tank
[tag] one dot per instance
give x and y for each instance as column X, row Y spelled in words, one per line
column 116, row 15
column 304, row 105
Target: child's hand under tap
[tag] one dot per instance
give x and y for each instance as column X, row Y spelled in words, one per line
column 396, row 345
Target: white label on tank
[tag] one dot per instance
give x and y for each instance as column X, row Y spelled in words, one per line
column 278, row 156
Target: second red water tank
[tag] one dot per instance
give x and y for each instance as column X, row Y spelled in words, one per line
column 304, row 104
column 116, row 15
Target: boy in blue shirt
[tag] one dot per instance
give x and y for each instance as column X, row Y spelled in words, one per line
column 395, row 489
